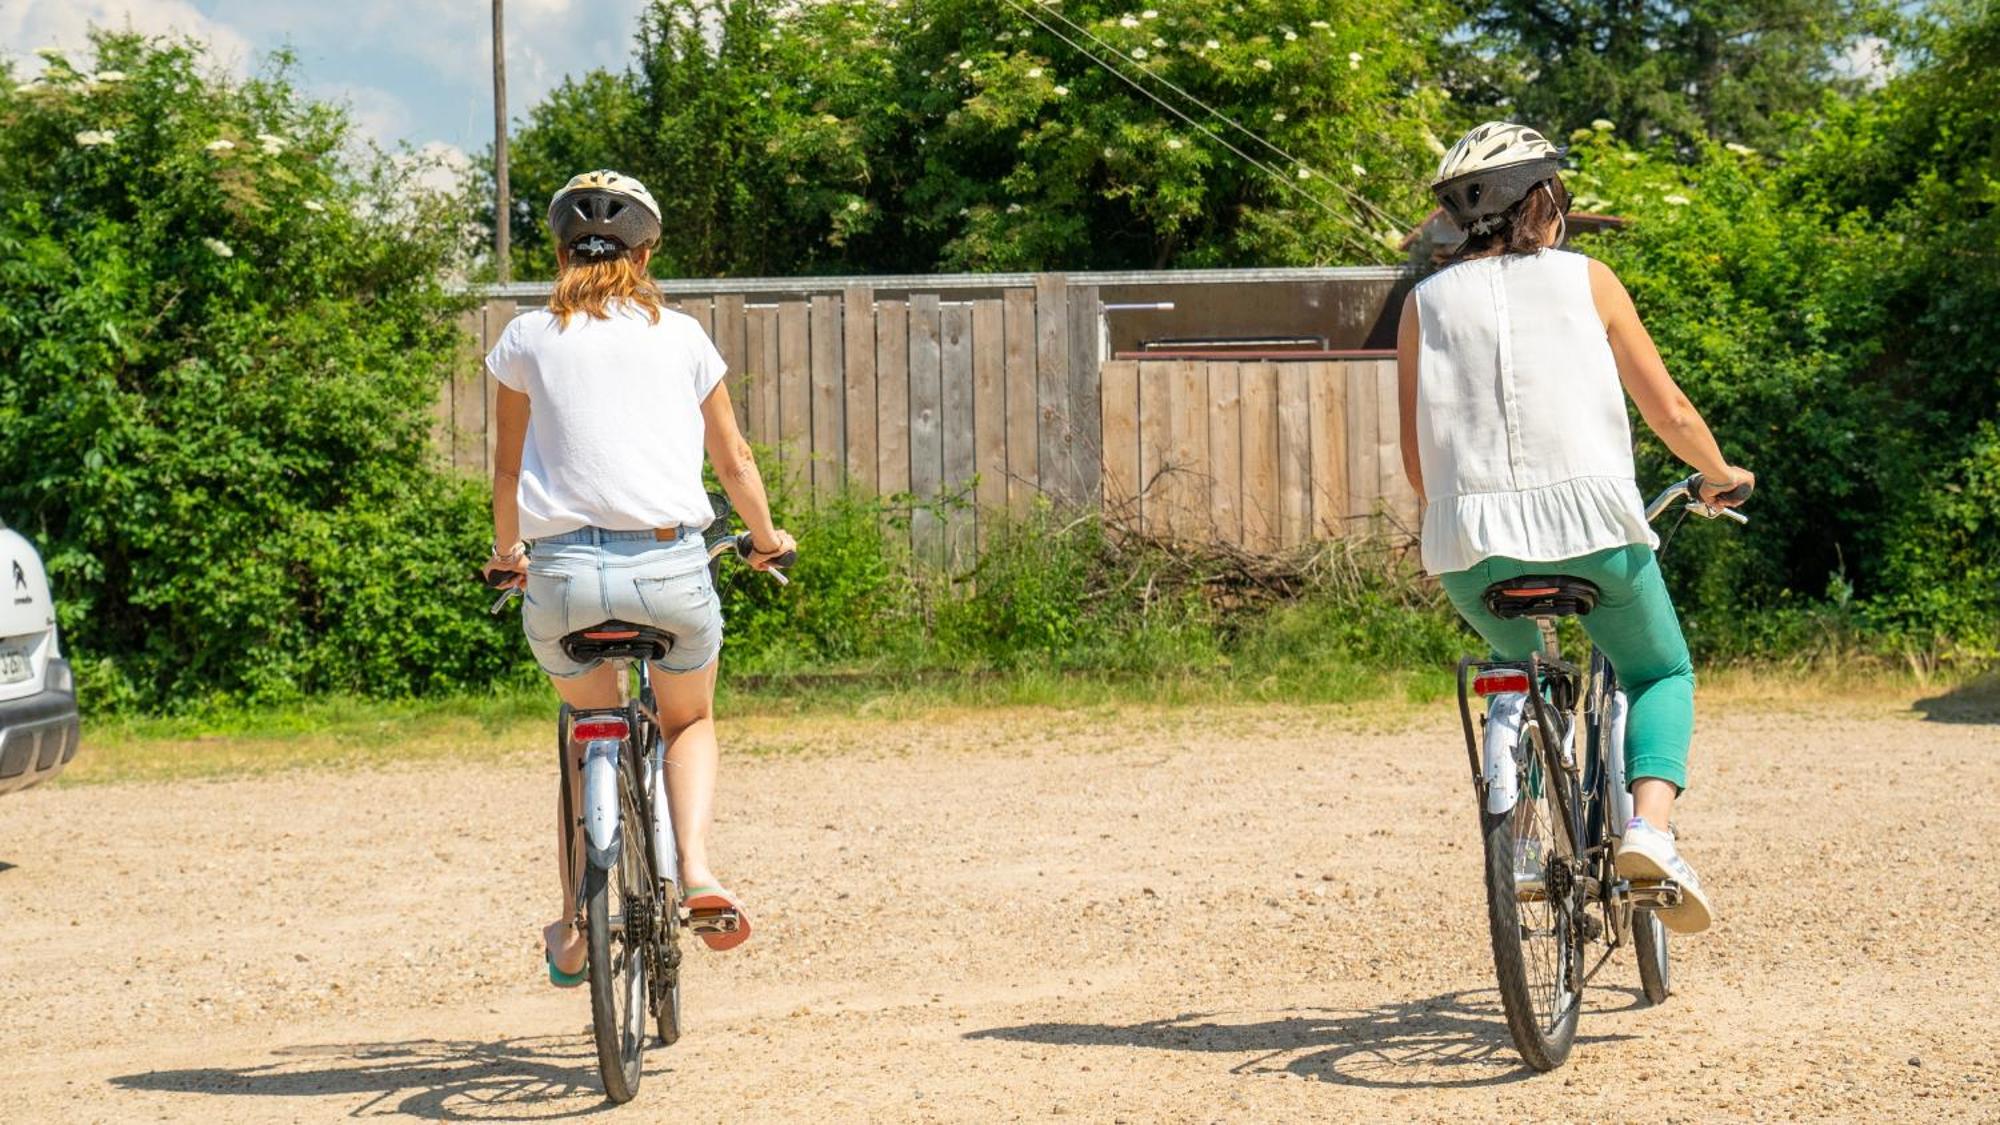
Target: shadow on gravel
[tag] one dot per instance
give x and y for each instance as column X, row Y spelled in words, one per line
column 546, row 1078
column 1456, row 1040
column 1974, row 702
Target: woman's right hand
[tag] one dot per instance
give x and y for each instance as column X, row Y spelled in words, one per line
column 514, row 562
column 1713, row 485
column 762, row 550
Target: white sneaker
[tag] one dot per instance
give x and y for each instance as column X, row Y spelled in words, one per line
column 1646, row 853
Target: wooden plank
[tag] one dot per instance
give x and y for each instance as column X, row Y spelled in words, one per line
column 1052, row 386
column 892, row 397
column 1260, row 456
column 857, row 324
column 1329, row 450
column 702, row 310
column 1023, row 440
column 1086, row 417
column 470, row 357
column 1361, row 453
column 760, row 376
column 989, row 407
column 1121, row 442
column 472, row 402
column 729, row 341
column 1225, row 451
column 1294, row 455
column 1189, row 494
column 926, row 426
column 1156, row 444
column 956, row 428
column 795, row 393
column 829, row 398
column 1398, row 497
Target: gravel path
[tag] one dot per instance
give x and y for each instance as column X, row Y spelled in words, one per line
column 1114, row 915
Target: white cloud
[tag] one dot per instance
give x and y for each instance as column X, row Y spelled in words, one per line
column 28, row 24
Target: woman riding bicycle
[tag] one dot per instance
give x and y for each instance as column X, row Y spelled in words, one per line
column 606, row 403
column 1511, row 359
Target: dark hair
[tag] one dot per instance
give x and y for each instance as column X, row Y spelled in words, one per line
column 1523, row 228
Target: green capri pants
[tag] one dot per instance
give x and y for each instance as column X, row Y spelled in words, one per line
column 1634, row 624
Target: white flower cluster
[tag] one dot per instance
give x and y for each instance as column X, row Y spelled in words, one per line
column 91, row 138
column 272, row 144
column 218, row 247
column 220, row 145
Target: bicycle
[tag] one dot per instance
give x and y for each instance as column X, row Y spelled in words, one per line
column 1551, row 823
column 628, row 901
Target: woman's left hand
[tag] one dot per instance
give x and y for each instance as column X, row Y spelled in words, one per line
column 514, row 562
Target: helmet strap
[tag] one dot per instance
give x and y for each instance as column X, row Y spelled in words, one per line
column 1562, row 229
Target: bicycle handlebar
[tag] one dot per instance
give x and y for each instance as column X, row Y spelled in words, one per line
column 738, row 545
column 1690, row 490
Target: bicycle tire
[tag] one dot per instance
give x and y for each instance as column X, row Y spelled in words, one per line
column 1649, row 941
column 619, row 964
column 1539, row 992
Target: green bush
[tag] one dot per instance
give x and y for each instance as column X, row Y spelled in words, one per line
column 221, row 330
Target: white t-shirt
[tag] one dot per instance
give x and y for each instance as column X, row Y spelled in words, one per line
column 615, row 428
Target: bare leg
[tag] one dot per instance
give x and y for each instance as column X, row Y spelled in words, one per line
column 687, row 720
column 565, row 944
column 1653, row 801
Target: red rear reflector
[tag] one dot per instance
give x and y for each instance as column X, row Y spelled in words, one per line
column 613, row 635
column 593, row 730
column 1498, row 683
column 1533, row 592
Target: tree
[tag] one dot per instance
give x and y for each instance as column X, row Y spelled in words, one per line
column 221, row 332
column 866, row 136
column 1730, row 69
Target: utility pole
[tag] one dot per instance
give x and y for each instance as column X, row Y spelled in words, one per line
column 503, row 204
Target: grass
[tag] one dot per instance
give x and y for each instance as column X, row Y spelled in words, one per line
column 764, row 715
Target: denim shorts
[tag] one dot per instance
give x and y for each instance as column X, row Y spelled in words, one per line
column 587, row 577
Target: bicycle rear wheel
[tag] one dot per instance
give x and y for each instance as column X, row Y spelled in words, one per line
column 1532, row 901
column 618, row 904
column 1649, row 941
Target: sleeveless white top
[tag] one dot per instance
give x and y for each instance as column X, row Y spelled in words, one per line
column 1521, row 425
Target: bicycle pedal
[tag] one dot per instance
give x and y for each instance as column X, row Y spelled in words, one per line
column 718, row 921
column 1655, row 894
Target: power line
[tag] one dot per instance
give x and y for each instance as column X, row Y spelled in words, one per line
column 1353, row 196
column 1353, row 226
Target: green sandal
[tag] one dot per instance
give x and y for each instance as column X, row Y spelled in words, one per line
column 716, row 917
column 565, row 980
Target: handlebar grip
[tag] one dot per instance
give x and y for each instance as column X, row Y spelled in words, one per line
column 1736, row 495
column 499, row 579
column 744, row 550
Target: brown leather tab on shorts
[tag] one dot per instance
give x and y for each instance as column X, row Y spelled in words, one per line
column 666, row 534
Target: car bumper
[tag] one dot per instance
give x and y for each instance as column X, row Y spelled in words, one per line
column 38, row 733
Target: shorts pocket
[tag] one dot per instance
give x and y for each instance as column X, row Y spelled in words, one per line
column 545, row 606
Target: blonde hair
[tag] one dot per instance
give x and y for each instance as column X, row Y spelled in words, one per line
column 590, row 287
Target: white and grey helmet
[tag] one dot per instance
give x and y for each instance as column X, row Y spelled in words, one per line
column 601, row 214
column 1489, row 170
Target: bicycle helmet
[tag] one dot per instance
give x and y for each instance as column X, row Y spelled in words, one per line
column 600, row 215
column 1489, row 170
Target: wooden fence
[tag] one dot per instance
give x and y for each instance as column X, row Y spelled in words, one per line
column 975, row 402
column 1261, row 455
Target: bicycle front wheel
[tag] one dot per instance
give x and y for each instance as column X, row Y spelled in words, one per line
column 1532, row 901
column 618, row 903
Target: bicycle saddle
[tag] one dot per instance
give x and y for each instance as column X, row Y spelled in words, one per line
column 617, row 640
column 1540, row 595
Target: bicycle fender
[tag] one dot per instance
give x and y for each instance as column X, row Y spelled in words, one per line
column 600, row 801
column 1620, row 791
column 1504, row 714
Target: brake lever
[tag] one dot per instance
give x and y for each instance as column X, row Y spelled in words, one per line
column 512, row 593
column 1710, row 511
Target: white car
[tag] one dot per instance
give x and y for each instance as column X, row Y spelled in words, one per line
column 39, row 731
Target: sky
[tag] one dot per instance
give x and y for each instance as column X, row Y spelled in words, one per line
column 415, row 71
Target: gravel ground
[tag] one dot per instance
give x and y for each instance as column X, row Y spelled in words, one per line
column 1109, row 915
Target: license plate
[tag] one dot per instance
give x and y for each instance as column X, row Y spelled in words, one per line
column 14, row 666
